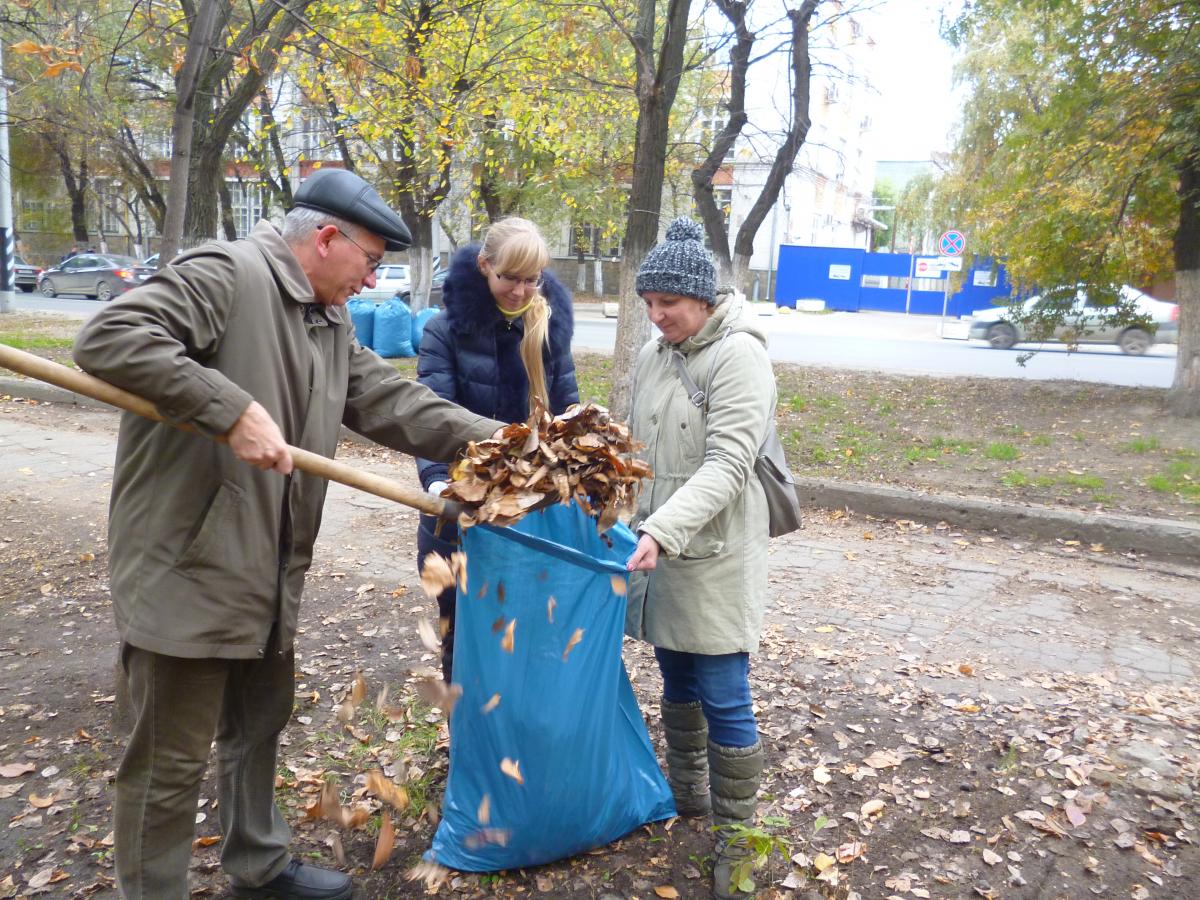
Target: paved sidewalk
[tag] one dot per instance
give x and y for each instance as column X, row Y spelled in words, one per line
column 876, row 587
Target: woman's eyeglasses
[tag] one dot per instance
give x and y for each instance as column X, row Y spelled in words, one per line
column 515, row 280
column 373, row 261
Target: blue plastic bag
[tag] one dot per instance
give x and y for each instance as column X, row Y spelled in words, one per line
column 362, row 316
column 558, row 707
column 393, row 329
column 418, row 325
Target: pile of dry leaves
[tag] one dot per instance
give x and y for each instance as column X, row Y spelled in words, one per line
column 582, row 455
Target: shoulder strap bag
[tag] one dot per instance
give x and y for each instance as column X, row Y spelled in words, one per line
column 770, row 464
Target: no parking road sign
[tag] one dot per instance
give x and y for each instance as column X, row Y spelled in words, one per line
column 952, row 243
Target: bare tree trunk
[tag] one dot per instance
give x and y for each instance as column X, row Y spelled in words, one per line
column 1184, row 395
column 785, row 158
column 270, row 24
column 76, row 184
column 182, row 126
column 228, row 225
column 658, row 74
column 739, row 64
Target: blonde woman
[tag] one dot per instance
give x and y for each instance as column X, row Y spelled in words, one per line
column 503, row 339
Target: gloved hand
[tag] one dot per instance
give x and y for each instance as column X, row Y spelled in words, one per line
column 436, row 488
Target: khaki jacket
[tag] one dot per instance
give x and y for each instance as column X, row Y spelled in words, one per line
column 704, row 506
column 208, row 554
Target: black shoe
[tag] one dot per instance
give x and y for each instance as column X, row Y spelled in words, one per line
column 300, row 881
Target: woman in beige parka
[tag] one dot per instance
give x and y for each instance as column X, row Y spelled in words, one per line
column 700, row 566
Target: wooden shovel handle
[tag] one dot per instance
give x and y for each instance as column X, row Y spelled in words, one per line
column 305, row 460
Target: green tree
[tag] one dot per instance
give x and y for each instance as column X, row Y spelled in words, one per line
column 1080, row 153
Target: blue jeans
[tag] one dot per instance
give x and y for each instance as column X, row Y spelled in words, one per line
column 721, row 684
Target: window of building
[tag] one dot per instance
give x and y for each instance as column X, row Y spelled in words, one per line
column 33, row 215
column 247, row 202
column 590, row 240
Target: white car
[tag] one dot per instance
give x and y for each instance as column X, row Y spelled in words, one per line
column 391, row 279
column 1086, row 322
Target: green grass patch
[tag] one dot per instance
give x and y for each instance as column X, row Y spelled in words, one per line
column 1180, row 477
column 1016, row 479
column 1041, row 440
column 1001, row 452
column 939, row 444
column 1091, row 482
column 1140, row 445
column 30, row 344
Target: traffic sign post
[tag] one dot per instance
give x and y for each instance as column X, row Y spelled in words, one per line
column 952, row 243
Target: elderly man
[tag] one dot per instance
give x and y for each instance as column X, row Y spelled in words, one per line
column 208, row 554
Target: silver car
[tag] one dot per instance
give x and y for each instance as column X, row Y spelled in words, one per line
column 1084, row 322
column 99, row 275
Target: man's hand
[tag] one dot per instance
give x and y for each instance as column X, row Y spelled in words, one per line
column 256, row 439
column 645, row 556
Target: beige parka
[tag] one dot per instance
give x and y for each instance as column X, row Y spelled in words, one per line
column 704, row 506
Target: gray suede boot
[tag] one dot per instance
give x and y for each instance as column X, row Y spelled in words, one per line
column 736, row 774
column 687, row 761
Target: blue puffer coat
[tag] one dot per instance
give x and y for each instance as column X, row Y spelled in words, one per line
column 471, row 354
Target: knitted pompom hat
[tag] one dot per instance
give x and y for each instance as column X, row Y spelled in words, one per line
column 680, row 264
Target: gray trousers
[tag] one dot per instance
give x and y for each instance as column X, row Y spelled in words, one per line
column 179, row 705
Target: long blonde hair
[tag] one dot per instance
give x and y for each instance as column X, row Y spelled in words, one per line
column 515, row 245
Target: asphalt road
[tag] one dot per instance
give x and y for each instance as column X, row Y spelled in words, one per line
column 886, row 342
column 890, row 342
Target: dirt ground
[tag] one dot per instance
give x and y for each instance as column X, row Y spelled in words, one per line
column 946, row 714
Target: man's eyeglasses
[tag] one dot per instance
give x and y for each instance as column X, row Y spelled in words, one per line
column 515, row 280
column 373, row 261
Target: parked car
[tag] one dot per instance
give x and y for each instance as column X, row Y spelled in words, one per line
column 26, row 274
column 391, row 280
column 148, row 266
column 1087, row 321
column 99, row 275
column 435, row 290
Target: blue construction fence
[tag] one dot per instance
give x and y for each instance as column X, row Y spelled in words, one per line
column 847, row 278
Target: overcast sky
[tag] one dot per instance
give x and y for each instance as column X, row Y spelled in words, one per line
column 913, row 73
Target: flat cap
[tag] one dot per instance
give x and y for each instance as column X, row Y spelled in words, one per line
column 343, row 194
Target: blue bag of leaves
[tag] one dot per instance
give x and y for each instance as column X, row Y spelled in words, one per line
column 362, row 315
column 418, row 325
column 393, row 329
column 549, row 756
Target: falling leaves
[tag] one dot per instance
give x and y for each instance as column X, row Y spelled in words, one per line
column 492, row 703
column 439, row 573
column 550, row 604
column 576, row 637
column 512, row 769
column 620, row 584
column 429, row 637
column 434, row 691
column 385, row 843
column 484, row 813
column 395, row 795
column 507, row 642
column 329, row 807
column 582, row 455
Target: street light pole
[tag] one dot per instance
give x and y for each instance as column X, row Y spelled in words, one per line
column 8, row 300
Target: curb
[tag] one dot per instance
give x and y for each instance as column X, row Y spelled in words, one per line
column 1163, row 539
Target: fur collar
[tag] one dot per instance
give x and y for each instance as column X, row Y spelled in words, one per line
column 471, row 308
